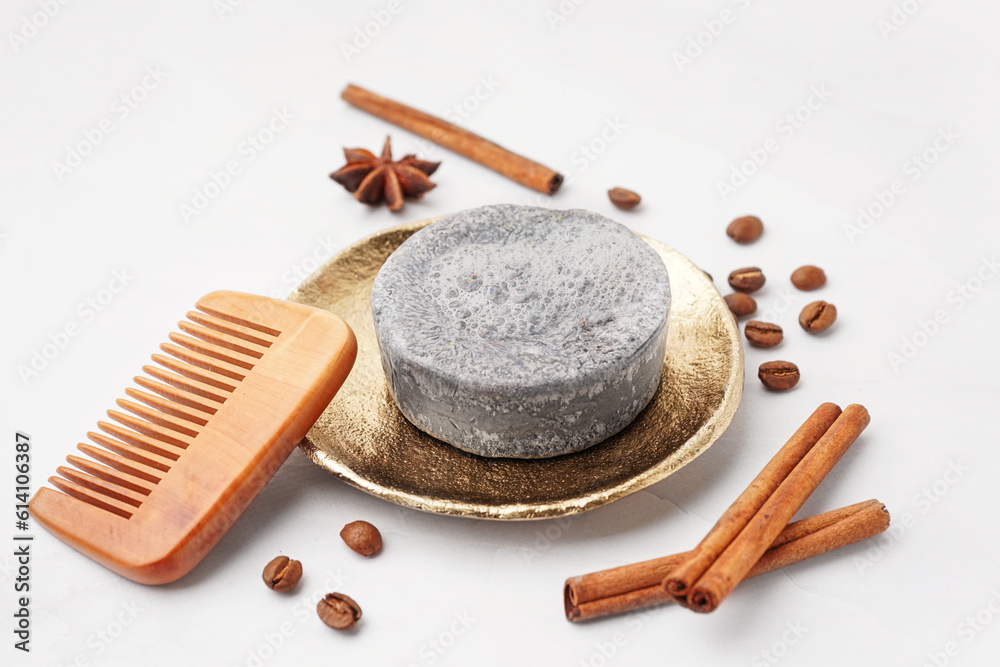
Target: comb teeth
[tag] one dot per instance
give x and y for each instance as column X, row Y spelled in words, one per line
column 214, row 351
column 229, row 328
column 232, row 320
column 167, row 407
column 97, row 485
column 197, row 374
column 143, row 442
column 98, row 500
column 132, row 456
column 108, row 475
column 182, row 390
column 215, row 367
column 159, row 418
column 133, row 469
column 228, row 341
column 150, row 430
column 129, row 451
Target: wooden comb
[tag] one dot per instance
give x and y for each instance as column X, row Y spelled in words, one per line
column 223, row 409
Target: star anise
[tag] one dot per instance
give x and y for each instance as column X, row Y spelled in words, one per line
column 373, row 179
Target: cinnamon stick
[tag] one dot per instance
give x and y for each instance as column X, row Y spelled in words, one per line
column 515, row 167
column 735, row 519
column 736, row 561
column 637, row 586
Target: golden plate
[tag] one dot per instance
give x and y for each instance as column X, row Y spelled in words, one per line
column 363, row 439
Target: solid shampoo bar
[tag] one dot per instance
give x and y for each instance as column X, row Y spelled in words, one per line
column 520, row 331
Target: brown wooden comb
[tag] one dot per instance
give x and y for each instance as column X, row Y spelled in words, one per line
column 215, row 419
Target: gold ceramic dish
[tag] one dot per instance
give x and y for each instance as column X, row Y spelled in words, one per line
column 363, row 439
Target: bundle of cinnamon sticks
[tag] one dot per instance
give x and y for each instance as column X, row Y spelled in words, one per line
column 752, row 537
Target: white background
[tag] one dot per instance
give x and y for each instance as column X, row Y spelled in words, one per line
column 600, row 91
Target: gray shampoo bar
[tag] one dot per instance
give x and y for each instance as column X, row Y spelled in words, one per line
column 520, row 331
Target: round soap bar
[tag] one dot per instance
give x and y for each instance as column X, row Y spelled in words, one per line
column 520, row 331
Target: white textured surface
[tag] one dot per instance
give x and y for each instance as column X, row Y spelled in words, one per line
column 600, row 96
column 522, row 331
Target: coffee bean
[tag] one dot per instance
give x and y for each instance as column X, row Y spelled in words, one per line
column 362, row 537
column 778, row 375
column 818, row 316
column 338, row 611
column 741, row 304
column 282, row 573
column 763, row 334
column 624, row 199
column 749, row 279
column 746, row 229
column 808, row 277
